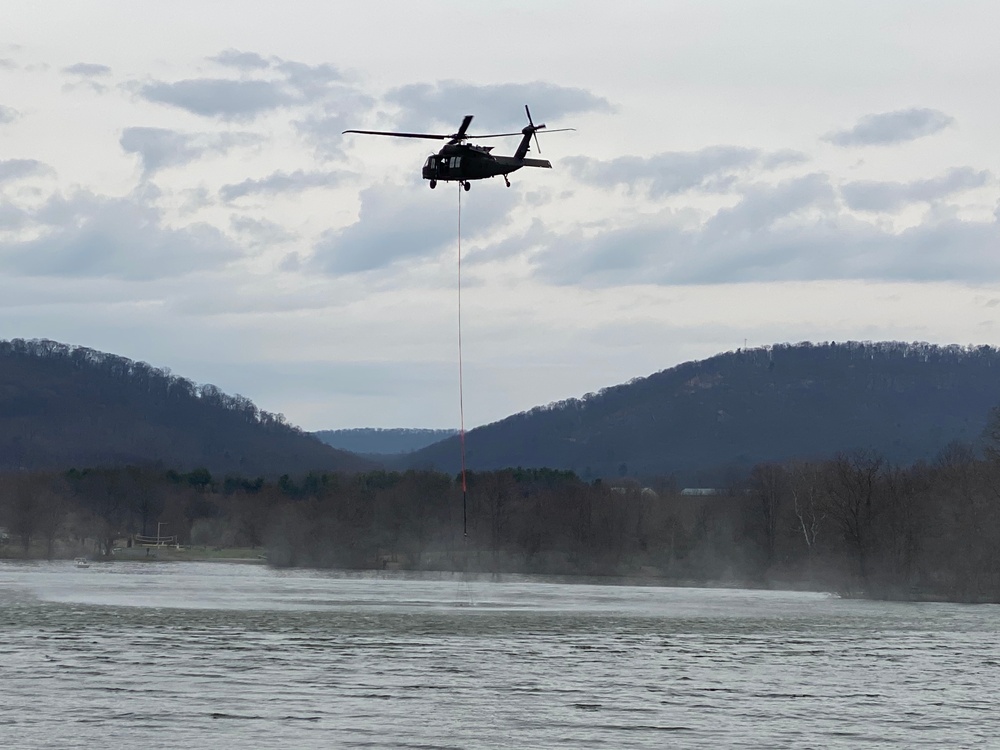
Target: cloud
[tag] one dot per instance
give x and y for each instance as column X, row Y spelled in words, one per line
column 763, row 205
column 793, row 231
column 312, row 82
column 221, row 97
column 19, row 169
column 291, row 84
column 8, row 114
column 402, row 224
column 12, row 217
column 677, row 172
column 511, row 247
column 891, row 128
column 87, row 76
column 497, row 106
column 159, row 148
column 88, row 70
column 233, row 58
column 308, row 80
column 890, row 196
column 260, row 232
column 88, row 235
column 324, row 132
column 280, row 182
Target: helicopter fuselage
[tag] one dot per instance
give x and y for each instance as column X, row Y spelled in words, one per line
column 461, row 162
column 464, row 162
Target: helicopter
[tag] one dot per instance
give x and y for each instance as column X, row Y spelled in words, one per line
column 461, row 162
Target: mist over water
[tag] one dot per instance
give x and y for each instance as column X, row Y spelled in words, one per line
column 206, row 655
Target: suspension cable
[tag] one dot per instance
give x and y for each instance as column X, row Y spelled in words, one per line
column 461, row 395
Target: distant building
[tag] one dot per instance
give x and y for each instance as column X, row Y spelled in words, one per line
column 700, row 491
column 647, row 492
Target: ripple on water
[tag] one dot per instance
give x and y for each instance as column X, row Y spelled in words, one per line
column 226, row 656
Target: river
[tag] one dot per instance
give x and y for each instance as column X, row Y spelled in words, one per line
column 214, row 655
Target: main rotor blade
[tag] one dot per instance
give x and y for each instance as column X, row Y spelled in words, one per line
column 431, row 136
column 490, row 135
column 465, row 126
column 507, row 135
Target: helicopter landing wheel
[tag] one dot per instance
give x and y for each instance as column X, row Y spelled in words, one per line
column 467, row 185
column 434, row 184
column 506, row 181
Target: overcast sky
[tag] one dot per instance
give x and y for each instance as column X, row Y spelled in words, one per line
column 175, row 188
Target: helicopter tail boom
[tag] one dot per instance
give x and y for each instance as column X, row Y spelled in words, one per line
column 513, row 161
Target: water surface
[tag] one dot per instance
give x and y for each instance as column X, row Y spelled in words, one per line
column 214, row 655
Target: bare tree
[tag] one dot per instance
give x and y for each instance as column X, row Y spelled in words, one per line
column 767, row 489
column 851, row 488
column 806, row 491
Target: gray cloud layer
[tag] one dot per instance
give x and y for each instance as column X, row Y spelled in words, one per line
column 498, row 107
column 291, row 84
column 891, row 196
column 220, row 97
column 159, row 148
column 400, row 224
column 792, row 231
column 280, row 182
column 88, row 70
column 677, row 172
column 259, row 232
column 324, row 131
column 18, row 169
column 890, row 128
column 88, row 235
column 247, row 61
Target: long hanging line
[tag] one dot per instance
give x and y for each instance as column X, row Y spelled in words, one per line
column 461, row 395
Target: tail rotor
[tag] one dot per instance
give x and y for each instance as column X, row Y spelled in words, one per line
column 533, row 129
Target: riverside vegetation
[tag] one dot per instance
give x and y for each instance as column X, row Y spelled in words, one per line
column 854, row 523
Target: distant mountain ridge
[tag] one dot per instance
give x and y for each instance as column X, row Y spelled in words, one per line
column 63, row 406
column 374, row 441
column 701, row 421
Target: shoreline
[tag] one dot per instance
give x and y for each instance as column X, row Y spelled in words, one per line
column 240, row 557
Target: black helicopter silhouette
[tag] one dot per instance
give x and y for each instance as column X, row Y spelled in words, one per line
column 461, row 162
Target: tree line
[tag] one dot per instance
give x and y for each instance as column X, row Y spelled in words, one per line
column 854, row 523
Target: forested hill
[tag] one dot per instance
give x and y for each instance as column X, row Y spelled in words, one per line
column 704, row 421
column 375, row 441
column 64, row 406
